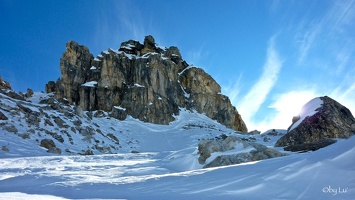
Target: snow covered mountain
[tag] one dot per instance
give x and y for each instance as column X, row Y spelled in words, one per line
column 166, row 166
column 63, row 145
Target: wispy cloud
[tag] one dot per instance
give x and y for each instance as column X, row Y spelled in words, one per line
column 119, row 21
column 252, row 101
column 332, row 27
column 233, row 89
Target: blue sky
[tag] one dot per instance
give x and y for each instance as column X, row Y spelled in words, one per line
column 270, row 57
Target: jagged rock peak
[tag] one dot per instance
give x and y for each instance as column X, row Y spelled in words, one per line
column 321, row 118
column 146, row 81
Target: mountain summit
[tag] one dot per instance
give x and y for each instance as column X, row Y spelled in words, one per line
column 148, row 82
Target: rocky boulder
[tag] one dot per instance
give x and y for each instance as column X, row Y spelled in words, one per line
column 320, row 119
column 148, row 82
column 50, row 145
column 243, row 151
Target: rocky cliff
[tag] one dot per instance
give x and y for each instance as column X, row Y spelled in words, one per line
column 323, row 118
column 145, row 81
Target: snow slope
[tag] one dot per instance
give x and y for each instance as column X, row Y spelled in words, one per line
column 325, row 174
column 166, row 167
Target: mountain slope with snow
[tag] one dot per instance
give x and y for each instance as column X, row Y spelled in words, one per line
column 167, row 163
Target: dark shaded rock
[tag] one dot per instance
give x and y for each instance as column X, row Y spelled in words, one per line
column 149, row 45
column 131, row 47
column 13, row 95
column 61, row 123
column 24, row 135
column 254, row 132
column 55, row 150
column 10, row 128
column 47, row 143
column 310, row 146
column 24, row 108
column 118, row 113
column 87, row 153
column 3, row 116
column 113, row 137
column 29, row 93
column 50, row 145
column 55, row 136
column 50, row 87
column 99, row 114
column 331, row 120
column 4, row 148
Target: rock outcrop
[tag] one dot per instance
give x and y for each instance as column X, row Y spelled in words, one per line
column 330, row 119
column 244, row 151
column 148, row 82
column 50, row 145
column 4, row 84
column 6, row 89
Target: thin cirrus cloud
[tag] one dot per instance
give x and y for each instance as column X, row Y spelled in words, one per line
column 118, row 21
column 331, row 27
column 252, row 101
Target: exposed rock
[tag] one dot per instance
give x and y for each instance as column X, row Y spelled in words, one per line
column 12, row 94
column 253, row 155
column 251, row 151
column 86, row 153
column 50, row 87
column 47, row 143
column 10, row 128
column 55, row 135
column 149, row 45
column 29, row 93
column 295, row 119
column 330, row 120
column 118, row 113
column 310, row 146
column 50, row 145
column 99, row 114
column 55, row 150
column 24, row 135
column 147, row 82
column 254, row 132
column 206, row 147
column 134, row 151
column 4, row 148
column 61, row 123
column 4, row 84
column 2, row 116
column 74, row 66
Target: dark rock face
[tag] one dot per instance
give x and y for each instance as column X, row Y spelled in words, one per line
column 332, row 120
column 148, row 82
column 50, row 87
column 2, row 116
column 310, row 146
